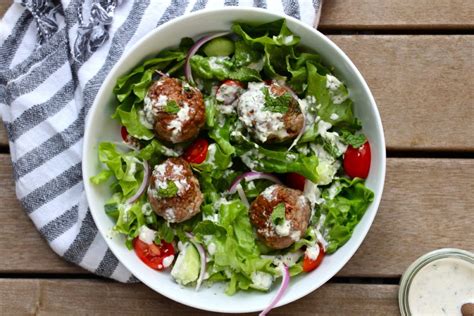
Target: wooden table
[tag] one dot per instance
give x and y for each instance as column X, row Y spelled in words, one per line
column 418, row 58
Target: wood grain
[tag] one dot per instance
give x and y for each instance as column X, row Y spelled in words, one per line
column 426, row 205
column 387, row 14
column 422, row 85
column 3, row 135
column 79, row 297
column 399, row 15
column 30, row 252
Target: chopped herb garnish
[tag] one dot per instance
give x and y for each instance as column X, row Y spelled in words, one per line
column 355, row 140
column 278, row 214
column 276, row 104
column 170, row 190
column 171, row 107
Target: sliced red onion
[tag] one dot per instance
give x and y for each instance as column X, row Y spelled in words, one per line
column 203, row 40
column 250, row 176
column 202, row 255
column 283, row 286
column 143, row 185
column 242, row 195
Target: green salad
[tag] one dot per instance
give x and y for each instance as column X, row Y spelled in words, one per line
column 241, row 161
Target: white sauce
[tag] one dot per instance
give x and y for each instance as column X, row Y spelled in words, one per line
column 252, row 113
column 262, row 280
column 283, row 229
column 442, row 287
column 312, row 252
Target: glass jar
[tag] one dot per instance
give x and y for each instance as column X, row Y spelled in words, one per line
column 415, row 267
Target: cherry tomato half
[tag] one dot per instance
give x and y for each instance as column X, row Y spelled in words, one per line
column 124, row 133
column 230, row 82
column 295, row 181
column 310, row 264
column 357, row 161
column 197, row 151
column 152, row 254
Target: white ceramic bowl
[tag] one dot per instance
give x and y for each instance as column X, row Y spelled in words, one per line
column 100, row 127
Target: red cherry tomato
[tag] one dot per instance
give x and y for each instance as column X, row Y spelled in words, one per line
column 295, row 181
column 152, row 254
column 357, row 161
column 124, row 133
column 197, row 151
column 310, row 264
column 232, row 83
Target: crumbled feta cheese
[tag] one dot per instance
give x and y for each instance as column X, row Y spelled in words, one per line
column 147, row 235
column 334, row 116
column 296, row 235
column 334, row 85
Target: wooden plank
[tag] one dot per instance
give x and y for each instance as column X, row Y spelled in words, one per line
column 78, row 297
column 388, row 14
column 427, row 204
column 3, row 135
column 422, row 85
column 27, row 251
column 420, row 195
column 394, row 14
column 4, row 4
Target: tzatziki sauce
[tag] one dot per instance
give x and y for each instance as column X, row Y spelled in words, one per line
column 441, row 287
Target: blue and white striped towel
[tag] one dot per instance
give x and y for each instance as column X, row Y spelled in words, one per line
column 53, row 59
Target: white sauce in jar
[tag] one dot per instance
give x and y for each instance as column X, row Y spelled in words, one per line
column 442, row 287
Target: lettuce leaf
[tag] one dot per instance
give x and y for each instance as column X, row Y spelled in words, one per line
column 344, row 116
column 261, row 159
column 236, row 251
column 346, row 202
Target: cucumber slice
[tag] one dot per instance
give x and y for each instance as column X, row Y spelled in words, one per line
column 221, row 46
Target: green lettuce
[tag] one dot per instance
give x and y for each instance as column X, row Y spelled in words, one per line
column 346, row 202
column 237, row 255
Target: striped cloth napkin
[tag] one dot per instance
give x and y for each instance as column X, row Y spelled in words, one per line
column 53, row 59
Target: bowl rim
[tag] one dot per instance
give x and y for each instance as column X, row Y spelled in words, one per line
column 358, row 239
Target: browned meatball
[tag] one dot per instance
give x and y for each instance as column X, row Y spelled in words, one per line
column 288, row 230
column 175, row 109
column 264, row 120
column 293, row 118
column 174, row 191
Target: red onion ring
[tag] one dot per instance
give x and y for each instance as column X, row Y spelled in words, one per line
column 283, row 286
column 202, row 255
column 250, row 176
column 192, row 51
column 143, row 185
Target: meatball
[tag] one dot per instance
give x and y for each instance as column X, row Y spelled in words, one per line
column 174, row 191
column 269, row 124
column 175, row 110
column 279, row 233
